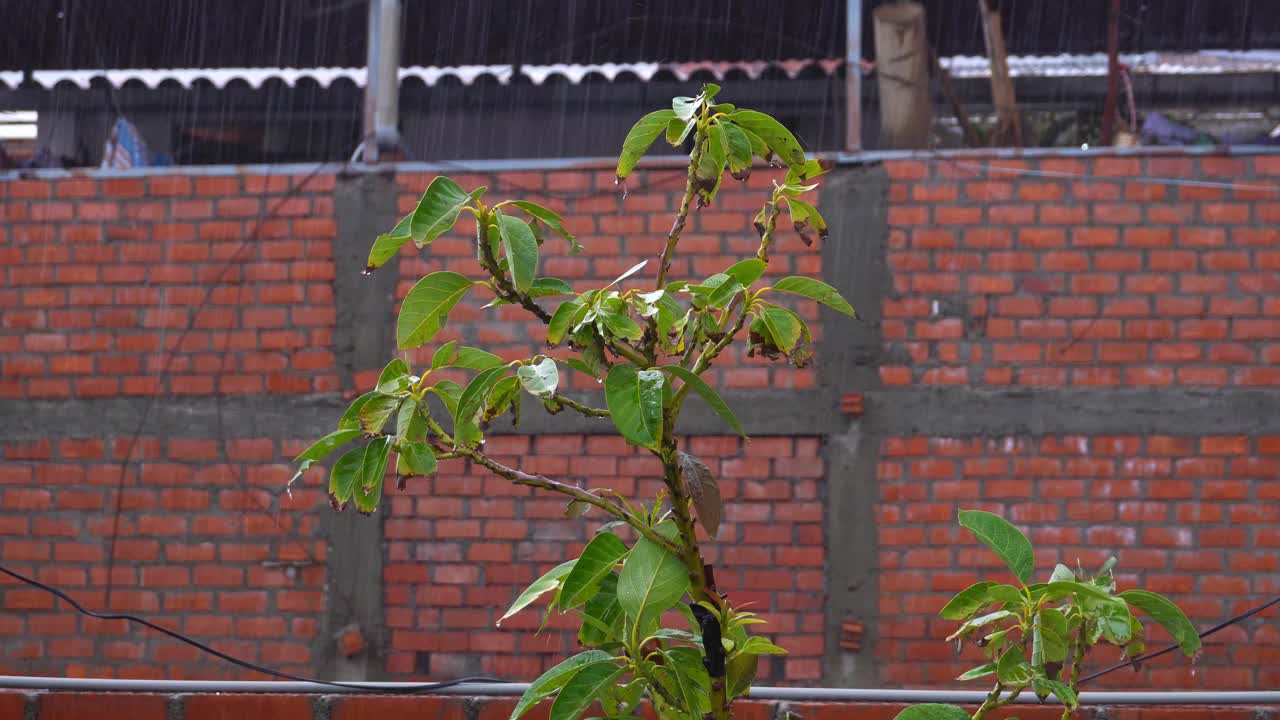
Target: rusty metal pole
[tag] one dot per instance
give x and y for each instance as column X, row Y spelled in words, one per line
column 853, row 76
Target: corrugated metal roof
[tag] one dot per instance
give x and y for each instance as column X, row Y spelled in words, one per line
column 1205, row 62
column 430, row 76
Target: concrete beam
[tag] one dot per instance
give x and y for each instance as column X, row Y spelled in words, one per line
column 855, row 201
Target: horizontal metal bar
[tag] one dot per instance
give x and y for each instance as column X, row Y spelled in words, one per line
column 656, row 162
column 796, row 694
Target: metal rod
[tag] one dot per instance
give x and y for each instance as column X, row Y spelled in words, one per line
column 12, row 682
column 382, row 84
column 853, row 76
column 1113, row 73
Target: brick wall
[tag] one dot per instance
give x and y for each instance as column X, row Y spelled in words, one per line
column 1003, row 278
column 176, row 297
column 221, row 289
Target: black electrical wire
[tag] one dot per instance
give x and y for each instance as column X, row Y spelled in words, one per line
column 405, row 689
column 1134, row 662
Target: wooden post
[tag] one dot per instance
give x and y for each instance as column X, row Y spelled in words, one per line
column 1008, row 131
column 902, row 70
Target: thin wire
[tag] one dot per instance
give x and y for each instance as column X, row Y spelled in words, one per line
column 420, row 688
column 1134, row 662
column 236, row 258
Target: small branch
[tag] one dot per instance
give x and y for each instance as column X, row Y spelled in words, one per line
column 682, row 216
column 540, row 481
column 624, row 349
column 575, row 405
column 770, row 228
column 502, row 286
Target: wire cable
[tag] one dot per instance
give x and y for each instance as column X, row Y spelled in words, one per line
column 1134, row 662
column 409, row 689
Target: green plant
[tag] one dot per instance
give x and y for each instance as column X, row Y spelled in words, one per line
column 1036, row 636
column 650, row 347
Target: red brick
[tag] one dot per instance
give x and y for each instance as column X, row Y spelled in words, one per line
column 238, row 707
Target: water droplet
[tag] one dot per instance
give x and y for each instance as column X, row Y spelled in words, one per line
column 599, row 381
column 366, row 271
column 288, row 491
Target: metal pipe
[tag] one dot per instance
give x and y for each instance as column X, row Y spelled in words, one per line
column 382, row 84
column 853, row 76
column 13, row 682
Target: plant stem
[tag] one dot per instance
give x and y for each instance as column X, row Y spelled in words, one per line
column 771, row 225
column 682, row 216
column 994, row 700
column 502, row 286
column 541, row 481
column 575, row 405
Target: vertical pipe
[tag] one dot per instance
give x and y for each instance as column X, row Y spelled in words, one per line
column 382, row 83
column 1113, row 73
column 853, row 76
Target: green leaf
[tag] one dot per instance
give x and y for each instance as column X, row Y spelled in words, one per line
column 602, row 616
column 678, row 130
column 568, row 315
column 409, row 422
column 724, row 291
column 684, row 107
column 471, row 403
column 1047, row 645
column 758, row 147
column 1006, row 594
column 1062, row 573
column 351, row 418
column 1003, row 538
column 450, row 393
column 621, row 325
column 740, row 671
column 556, row 678
column 708, row 395
column 1169, row 616
column 739, row 150
column 501, row 397
column 809, row 170
column 775, row 135
column 368, row 487
column 597, row 561
column 539, row 380
column 684, row 665
column 551, row 219
column 416, row 458
column 522, row 250
column 1061, row 589
column 701, row 487
column 1064, row 693
column 444, row 355
column 640, row 137
column 711, row 164
column 384, row 248
column 967, row 601
column 979, row 672
column 652, row 580
column 1116, row 623
column 427, row 306
column 327, row 444
column 933, row 711
column 342, row 478
column 784, row 326
column 438, row 209
column 394, row 377
column 815, row 290
column 376, row 412
column 630, row 271
column 746, row 271
column 634, row 399
column 475, row 359
column 805, row 217
column 582, row 689
column 759, row 646
column 1012, row 668
column 980, row 621
column 549, row 287
column 538, row 588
